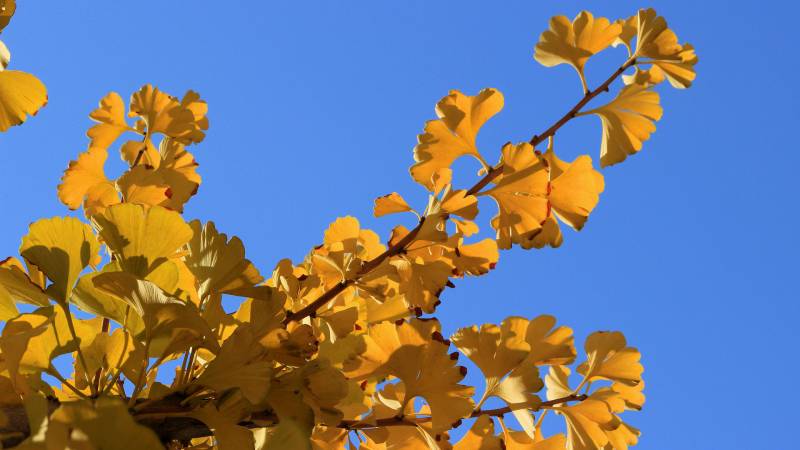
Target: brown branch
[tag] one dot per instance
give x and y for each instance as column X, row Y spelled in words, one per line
column 311, row 309
column 497, row 412
column 166, row 421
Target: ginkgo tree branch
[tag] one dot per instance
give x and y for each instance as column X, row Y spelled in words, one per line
column 497, row 412
column 174, row 423
column 396, row 249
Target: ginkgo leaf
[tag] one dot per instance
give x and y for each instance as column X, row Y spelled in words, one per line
column 21, row 95
column 239, row 364
column 653, row 38
column 223, row 420
column 29, row 341
column 84, row 182
column 101, row 351
column 170, row 325
column 185, row 120
column 17, row 286
column 415, row 353
column 574, row 42
column 609, row 357
column 587, row 424
column 453, row 135
column 141, row 238
column 534, row 187
column 680, row 73
column 111, row 122
column 87, row 297
column 627, row 122
column 107, row 423
column 219, row 264
column 481, row 436
column 61, row 247
column 390, row 204
column 7, row 10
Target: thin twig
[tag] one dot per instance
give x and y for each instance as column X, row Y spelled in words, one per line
column 311, row 309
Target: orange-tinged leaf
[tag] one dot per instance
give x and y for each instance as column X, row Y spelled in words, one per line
column 84, row 182
column 390, row 204
column 183, row 121
column 111, row 123
column 453, row 134
column 415, row 353
column 21, row 95
column 532, row 188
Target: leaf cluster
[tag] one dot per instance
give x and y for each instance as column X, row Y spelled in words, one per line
column 341, row 349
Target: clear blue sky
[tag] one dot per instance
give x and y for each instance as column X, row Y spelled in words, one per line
column 314, row 110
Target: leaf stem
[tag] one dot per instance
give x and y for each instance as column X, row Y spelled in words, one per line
column 81, row 359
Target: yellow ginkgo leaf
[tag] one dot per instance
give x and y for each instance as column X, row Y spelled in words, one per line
column 101, row 351
column 627, row 122
column 111, row 123
column 169, row 178
column 21, row 95
column 84, row 182
column 170, row 325
column 141, row 238
column 453, row 134
column 184, row 121
column 241, row 364
column 61, row 247
column 7, row 10
column 534, row 187
column 657, row 46
column 219, row 264
column 481, row 436
column 17, row 286
column 609, row 357
column 415, row 353
column 29, row 341
column 653, row 38
column 106, row 422
column 574, row 42
column 390, row 204
column 88, row 298
column 223, row 421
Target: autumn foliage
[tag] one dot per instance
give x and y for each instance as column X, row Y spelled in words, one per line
column 340, row 349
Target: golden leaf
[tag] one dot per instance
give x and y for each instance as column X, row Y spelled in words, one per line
column 107, row 424
column 453, row 134
column 533, row 189
column 16, row 285
column 574, row 42
column 415, row 353
column 390, row 204
column 142, row 238
column 183, row 121
column 627, row 122
column 170, row 325
column 481, row 436
column 608, row 357
column 21, row 95
column 61, row 247
column 111, row 123
column 223, row 421
column 84, row 182
column 217, row 263
column 240, row 363
column 29, row 341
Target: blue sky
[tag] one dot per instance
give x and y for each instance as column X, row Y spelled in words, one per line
column 315, row 107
